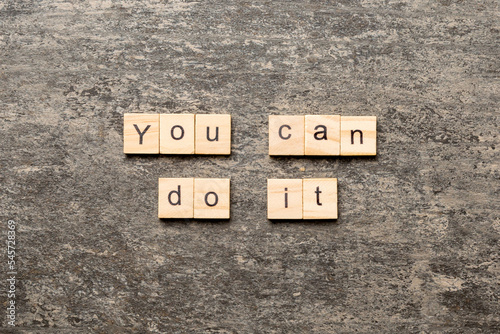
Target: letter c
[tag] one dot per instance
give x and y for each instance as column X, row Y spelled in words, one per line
column 280, row 133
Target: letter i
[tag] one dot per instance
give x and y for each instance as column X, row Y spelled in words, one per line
column 286, row 198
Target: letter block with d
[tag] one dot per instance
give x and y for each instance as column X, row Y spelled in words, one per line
column 175, row 198
column 141, row 133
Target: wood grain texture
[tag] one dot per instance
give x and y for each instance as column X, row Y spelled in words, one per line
column 284, row 199
column 319, row 198
column 213, row 134
column 286, row 135
column 212, row 198
column 175, row 197
column 322, row 135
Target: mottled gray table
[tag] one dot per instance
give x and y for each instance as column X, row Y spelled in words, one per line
column 415, row 248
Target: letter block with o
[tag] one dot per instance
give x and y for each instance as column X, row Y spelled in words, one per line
column 193, row 198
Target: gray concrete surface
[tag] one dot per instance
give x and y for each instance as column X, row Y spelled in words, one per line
column 416, row 246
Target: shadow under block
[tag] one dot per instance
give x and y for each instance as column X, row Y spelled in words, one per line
column 175, row 198
column 322, row 135
column 213, row 134
column 141, row 133
column 177, row 133
column 286, row 135
column 320, row 199
column 211, row 198
column 284, row 199
column 358, row 135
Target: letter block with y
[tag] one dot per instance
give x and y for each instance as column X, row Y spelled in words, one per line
column 286, row 135
column 213, row 134
column 175, row 198
column 141, row 133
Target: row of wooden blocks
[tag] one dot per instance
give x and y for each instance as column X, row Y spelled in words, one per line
column 316, row 135
column 210, row 198
column 176, row 134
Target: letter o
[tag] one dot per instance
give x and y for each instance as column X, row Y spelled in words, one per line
column 172, row 132
column 216, row 199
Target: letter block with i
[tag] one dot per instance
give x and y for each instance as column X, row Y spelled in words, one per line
column 141, row 133
column 284, row 199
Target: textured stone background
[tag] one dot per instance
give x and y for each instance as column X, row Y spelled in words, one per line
column 416, row 246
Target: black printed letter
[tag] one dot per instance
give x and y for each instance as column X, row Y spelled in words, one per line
column 141, row 134
column 317, row 196
column 281, row 134
column 172, row 132
column 320, row 132
column 216, row 199
column 178, row 193
column 360, row 136
column 216, row 134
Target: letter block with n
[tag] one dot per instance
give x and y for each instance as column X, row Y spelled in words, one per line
column 175, row 198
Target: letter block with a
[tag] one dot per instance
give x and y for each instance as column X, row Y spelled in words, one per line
column 322, row 135
column 286, row 135
column 175, row 198
column 141, row 133
column 211, row 198
column 320, row 199
column 213, row 134
column 177, row 133
column 358, row 135
column 284, row 199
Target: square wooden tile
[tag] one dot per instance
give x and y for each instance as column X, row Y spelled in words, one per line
column 177, row 133
column 211, row 198
column 358, row 135
column 322, row 135
column 320, row 199
column 286, row 135
column 213, row 134
column 175, row 198
column 141, row 133
column 284, row 199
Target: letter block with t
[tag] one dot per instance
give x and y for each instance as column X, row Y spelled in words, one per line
column 358, row 135
column 286, row 135
column 141, row 133
column 319, row 198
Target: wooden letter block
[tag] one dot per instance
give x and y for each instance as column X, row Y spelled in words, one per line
column 211, row 198
column 176, row 134
column 286, row 135
column 320, row 198
column 322, row 135
column 175, row 198
column 141, row 133
column 213, row 134
column 358, row 135
column 284, row 199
